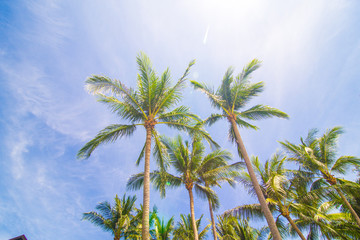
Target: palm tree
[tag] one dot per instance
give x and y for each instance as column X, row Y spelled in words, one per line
column 184, row 228
column 275, row 185
column 163, row 229
column 321, row 220
column 116, row 219
column 235, row 228
column 147, row 106
column 135, row 229
column 191, row 163
column 214, row 176
column 230, row 98
column 317, row 157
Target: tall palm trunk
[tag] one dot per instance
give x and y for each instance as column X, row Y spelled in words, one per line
column 212, row 219
column 146, row 194
column 292, row 223
column 264, row 207
column 192, row 213
column 357, row 219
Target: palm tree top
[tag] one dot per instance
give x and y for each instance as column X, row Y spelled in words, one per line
column 117, row 218
column 152, row 102
column 154, row 94
column 319, row 154
column 232, row 96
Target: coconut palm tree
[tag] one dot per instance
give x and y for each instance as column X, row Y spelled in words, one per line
column 163, row 229
column 322, row 219
column 191, row 163
column 235, row 228
column 135, row 229
column 214, row 176
column 116, row 219
column 184, row 228
column 317, row 157
column 149, row 105
column 231, row 97
column 276, row 187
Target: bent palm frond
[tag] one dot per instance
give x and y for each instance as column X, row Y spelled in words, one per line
column 109, row 134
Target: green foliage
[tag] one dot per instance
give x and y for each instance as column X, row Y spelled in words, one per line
column 235, row 228
column 232, row 96
column 118, row 219
column 162, row 229
column 149, row 103
column 184, row 229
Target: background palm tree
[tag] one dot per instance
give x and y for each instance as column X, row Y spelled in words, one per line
column 214, row 175
column 317, row 157
column 321, row 221
column 147, row 106
column 277, row 188
column 184, row 228
column 231, row 97
column 163, row 229
column 116, row 219
column 191, row 163
column 235, row 228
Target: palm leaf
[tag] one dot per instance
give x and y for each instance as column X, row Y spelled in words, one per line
column 100, row 84
column 173, row 95
column 262, row 112
column 135, row 182
column 344, row 162
column 123, row 109
column 108, row 134
column 213, row 118
column 216, row 101
column 252, row 211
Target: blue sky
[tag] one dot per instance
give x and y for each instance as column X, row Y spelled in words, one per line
column 310, row 52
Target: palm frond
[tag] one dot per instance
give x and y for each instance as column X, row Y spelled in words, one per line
column 162, row 180
column 180, row 113
column 135, row 182
column 252, row 211
column 248, row 69
column 242, row 123
column 108, row 134
column 141, row 155
column 100, row 84
column 262, row 112
column 343, row 163
column 96, row 219
column 172, row 95
column 216, row 101
column 160, row 153
column 123, row 109
column 213, row 118
column 245, row 92
column 225, row 90
column 207, row 193
column 192, row 130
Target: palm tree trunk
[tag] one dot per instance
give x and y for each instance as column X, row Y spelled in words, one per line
column 292, row 223
column 146, row 195
column 357, row 219
column 264, row 207
column 192, row 213
column 212, row 220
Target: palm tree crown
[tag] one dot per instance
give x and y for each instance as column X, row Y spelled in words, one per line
column 117, row 219
column 233, row 95
column 147, row 106
column 184, row 228
column 318, row 160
